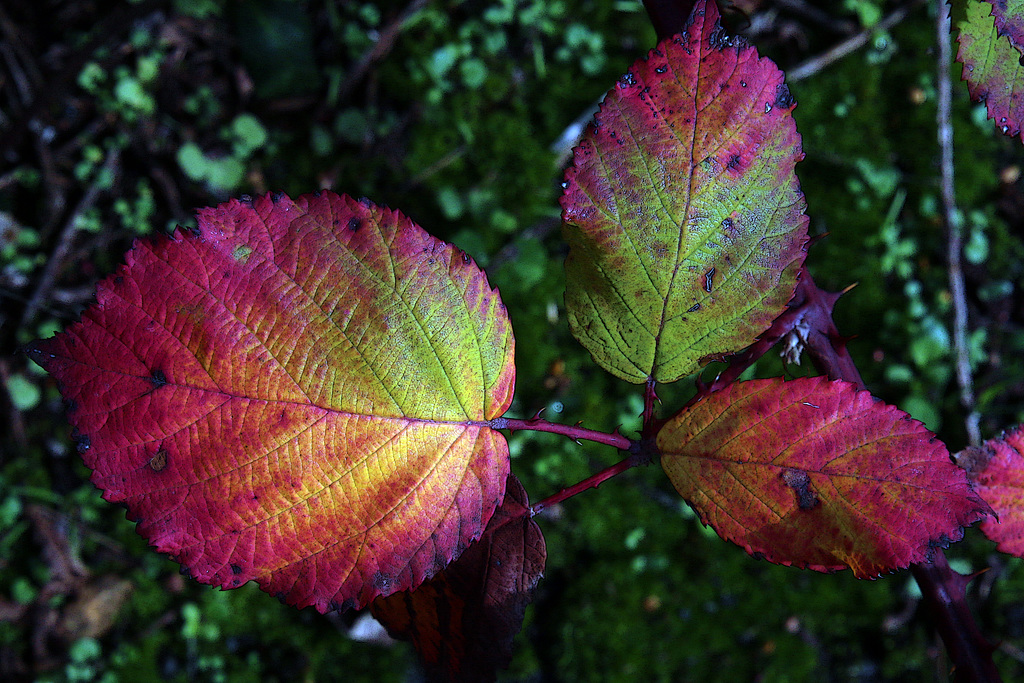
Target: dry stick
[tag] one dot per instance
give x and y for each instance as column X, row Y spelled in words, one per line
column 954, row 228
column 818, row 16
column 63, row 248
column 385, row 42
column 851, row 44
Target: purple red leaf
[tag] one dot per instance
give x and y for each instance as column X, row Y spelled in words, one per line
column 297, row 394
column 992, row 65
column 814, row 473
column 997, row 470
column 1009, row 16
column 463, row 620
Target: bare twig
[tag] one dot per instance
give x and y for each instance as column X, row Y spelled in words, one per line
column 850, row 45
column 954, row 228
column 60, row 252
column 817, row 16
column 385, row 42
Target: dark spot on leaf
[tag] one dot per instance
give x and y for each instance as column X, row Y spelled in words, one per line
column 82, row 442
column 158, row 378
column 783, row 98
column 365, row 201
column 709, row 280
column 382, row 582
column 465, row 258
column 726, row 223
column 236, row 569
column 719, row 39
column 734, row 162
column 660, row 69
column 245, row 199
column 974, row 459
column 693, row 308
column 743, row 84
column 159, row 460
column 800, row 482
column 627, row 79
column 277, row 197
column 354, row 224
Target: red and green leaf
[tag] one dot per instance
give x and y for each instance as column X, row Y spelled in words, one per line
column 1009, row 16
column 297, row 393
column 992, row 65
column 463, row 620
column 997, row 470
column 682, row 209
column 814, row 473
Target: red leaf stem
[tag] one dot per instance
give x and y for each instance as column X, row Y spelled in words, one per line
column 574, row 432
column 591, row 482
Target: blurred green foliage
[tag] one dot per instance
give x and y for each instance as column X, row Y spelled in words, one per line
column 455, row 121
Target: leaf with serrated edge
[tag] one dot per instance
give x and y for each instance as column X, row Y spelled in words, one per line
column 997, row 470
column 814, row 473
column 992, row 68
column 682, row 209
column 463, row 620
column 296, row 394
column 1009, row 16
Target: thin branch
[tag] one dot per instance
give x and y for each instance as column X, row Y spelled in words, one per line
column 954, row 228
column 60, row 253
column 850, row 45
column 380, row 49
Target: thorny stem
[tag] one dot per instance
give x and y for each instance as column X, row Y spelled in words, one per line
column 942, row 589
column 807, row 321
column 954, row 228
column 650, row 425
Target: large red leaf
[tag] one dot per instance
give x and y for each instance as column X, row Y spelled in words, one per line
column 997, row 470
column 462, row 621
column 682, row 209
column 297, row 394
column 992, row 65
column 817, row 474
